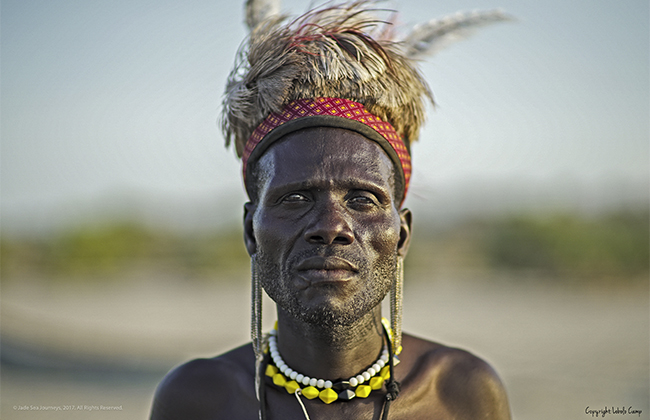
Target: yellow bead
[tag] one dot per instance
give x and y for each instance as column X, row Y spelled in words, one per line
column 363, row 391
column 328, row 395
column 399, row 350
column 310, row 392
column 385, row 372
column 271, row 370
column 279, row 379
column 291, row 386
column 377, row 382
column 386, row 324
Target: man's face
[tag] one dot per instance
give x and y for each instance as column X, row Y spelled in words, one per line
column 325, row 229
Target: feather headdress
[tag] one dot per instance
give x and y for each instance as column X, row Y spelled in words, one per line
column 344, row 51
column 328, row 52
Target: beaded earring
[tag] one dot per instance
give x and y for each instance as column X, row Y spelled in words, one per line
column 396, row 306
column 256, row 327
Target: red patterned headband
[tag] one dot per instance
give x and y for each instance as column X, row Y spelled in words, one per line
column 328, row 112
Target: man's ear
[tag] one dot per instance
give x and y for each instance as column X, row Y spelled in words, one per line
column 405, row 217
column 249, row 234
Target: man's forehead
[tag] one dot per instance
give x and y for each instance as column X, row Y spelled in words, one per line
column 324, row 154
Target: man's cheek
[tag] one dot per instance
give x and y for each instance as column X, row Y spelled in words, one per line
column 385, row 243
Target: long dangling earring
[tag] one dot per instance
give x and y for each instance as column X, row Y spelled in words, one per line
column 256, row 327
column 396, row 306
column 256, row 310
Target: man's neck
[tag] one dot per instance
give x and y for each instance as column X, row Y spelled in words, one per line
column 330, row 352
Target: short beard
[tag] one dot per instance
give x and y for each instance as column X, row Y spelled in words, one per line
column 377, row 281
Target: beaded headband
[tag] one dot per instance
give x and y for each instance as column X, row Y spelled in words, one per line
column 329, row 112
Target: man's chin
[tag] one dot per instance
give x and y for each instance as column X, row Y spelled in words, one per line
column 328, row 314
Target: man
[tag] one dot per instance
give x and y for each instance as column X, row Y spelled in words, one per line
column 322, row 115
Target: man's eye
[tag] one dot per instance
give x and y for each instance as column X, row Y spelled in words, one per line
column 361, row 200
column 294, row 198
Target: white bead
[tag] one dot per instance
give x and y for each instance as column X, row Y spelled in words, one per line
column 321, row 383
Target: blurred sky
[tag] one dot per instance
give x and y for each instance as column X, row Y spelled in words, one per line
column 108, row 105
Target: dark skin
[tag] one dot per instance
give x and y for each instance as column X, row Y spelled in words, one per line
column 328, row 230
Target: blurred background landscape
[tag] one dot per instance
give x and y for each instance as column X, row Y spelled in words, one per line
column 121, row 252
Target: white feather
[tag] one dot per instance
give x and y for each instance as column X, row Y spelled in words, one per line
column 430, row 37
column 260, row 10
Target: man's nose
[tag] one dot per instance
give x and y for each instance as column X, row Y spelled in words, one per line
column 330, row 226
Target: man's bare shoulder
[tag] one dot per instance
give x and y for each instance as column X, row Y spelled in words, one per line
column 207, row 388
column 454, row 382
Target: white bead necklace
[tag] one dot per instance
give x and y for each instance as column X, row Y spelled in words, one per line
column 321, row 383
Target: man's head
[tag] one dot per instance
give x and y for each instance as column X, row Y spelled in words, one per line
column 330, row 101
column 325, row 227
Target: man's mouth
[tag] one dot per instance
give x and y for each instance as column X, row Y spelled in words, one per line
column 326, row 269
